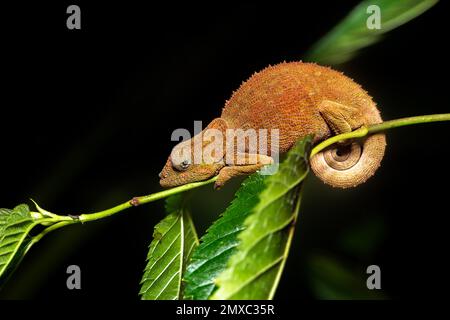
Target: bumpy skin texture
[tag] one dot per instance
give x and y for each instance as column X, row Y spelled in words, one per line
column 299, row 99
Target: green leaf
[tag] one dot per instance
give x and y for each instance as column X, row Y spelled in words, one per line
column 243, row 253
column 330, row 280
column 15, row 225
column 362, row 238
column 174, row 239
column 352, row 34
column 220, row 241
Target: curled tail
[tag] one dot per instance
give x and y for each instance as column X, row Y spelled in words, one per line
column 350, row 164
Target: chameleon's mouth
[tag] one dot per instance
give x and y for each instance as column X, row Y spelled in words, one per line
column 169, row 183
column 181, row 178
column 166, row 183
column 168, row 176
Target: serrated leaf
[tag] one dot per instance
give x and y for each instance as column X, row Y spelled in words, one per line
column 174, row 239
column 220, row 241
column 243, row 253
column 332, row 280
column 15, row 225
column 352, row 34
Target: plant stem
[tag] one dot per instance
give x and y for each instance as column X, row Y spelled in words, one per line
column 408, row 121
column 136, row 201
column 359, row 133
column 363, row 131
column 47, row 230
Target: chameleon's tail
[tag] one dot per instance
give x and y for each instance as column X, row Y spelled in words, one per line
column 349, row 165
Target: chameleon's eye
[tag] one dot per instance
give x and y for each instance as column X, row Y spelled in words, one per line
column 183, row 165
column 181, row 157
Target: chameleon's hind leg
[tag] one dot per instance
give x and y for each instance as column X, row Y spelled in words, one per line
column 339, row 117
column 349, row 162
column 250, row 163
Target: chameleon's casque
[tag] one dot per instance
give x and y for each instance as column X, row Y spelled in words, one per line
column 298, row 99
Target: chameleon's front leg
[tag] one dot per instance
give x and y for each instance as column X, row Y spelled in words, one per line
column 250, row 164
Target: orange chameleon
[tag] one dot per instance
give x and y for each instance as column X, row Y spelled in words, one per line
column 298, row 99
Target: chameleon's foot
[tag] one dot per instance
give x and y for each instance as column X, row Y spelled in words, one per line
column 218, row 185
column 340, row 118
column 232, row 171
column 224, row 175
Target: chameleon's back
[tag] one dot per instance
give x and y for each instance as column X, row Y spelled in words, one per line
column 286, row 97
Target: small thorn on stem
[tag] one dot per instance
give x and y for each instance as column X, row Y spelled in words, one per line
column 135, row 201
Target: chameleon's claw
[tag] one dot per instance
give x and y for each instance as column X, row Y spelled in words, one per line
column 224, row 175
column 217, row 185
column 222, row 178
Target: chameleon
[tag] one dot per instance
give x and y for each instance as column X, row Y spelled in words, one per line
column 298, row 99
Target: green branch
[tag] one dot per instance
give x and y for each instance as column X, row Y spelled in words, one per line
column 363, row 131
column 136, row 201
column 61, row 221
column 409, row 121
column 55, row 226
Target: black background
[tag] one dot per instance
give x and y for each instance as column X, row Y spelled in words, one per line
column 86, row 117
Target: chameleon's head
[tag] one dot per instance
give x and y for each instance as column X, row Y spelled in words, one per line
column 177, row 173
column 193, row 160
